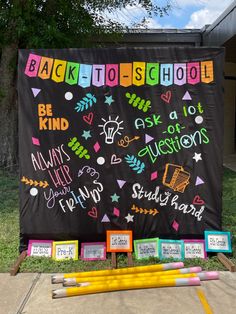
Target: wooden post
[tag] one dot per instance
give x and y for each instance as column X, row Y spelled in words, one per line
column 226, row 262
column 19, row 260
column 130, row 259
column 113, row 260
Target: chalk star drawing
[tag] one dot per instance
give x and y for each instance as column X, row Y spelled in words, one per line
column 186, row 141
column 86, row 134
column 109, row 100
column 110, row 128
column 115, row 198
column 197, row 157
column 129, row 218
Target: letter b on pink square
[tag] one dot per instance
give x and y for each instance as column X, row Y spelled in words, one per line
column 32, row 65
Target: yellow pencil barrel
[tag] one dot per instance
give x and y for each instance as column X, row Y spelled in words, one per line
column 76, row 280
column 106, row 279
column 125, row 285
column 120, row 271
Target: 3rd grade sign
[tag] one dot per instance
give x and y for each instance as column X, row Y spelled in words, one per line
column 117, row 139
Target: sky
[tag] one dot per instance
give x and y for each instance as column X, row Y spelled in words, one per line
column 184, row 14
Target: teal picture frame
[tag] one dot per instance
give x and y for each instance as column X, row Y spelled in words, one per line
column 171, row 249
column 217, row 241
column 145, row 248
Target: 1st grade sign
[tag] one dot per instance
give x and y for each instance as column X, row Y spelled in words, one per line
column 117, row 139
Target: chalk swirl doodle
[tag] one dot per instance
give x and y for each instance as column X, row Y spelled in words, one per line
column 126, row 141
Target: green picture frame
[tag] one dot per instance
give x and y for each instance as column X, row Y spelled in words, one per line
column 145, row 248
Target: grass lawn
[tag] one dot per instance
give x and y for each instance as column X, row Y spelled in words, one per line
column 9, row 231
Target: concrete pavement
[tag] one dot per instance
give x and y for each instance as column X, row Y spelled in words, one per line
column 31, row 294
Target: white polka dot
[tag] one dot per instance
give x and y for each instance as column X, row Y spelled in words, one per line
column 33, row 191
column 199, row 119
column 68, row 95
column 101, row 160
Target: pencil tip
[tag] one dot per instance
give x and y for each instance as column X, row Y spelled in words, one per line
column 56, row 279
column 54, row 294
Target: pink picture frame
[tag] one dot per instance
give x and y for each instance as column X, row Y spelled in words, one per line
column 191, row 242
column 40, row 248
column 93, row 251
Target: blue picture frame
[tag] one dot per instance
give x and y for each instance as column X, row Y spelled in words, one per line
column 214, row 235
column 180, row 243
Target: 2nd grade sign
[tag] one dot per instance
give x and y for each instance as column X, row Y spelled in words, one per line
column 120, row 139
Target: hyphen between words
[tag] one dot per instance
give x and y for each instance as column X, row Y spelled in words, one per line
column 123, row 74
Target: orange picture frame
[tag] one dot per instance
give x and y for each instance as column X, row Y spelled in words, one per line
column 119, row 241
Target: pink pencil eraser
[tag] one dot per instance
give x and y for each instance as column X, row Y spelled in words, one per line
column 195, row 269
column 173, row 265
column 178, row 265
column 208, row 275
column 193, row 281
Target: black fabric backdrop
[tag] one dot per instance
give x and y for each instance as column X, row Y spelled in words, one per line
column 186, row 191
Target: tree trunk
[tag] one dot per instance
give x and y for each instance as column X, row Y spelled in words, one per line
column 8, row 107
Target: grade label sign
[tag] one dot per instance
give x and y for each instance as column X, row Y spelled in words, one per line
column 194, row 249
column 119, row 241
column 171, row 249
column 65, row 250
column 146, row 248
column 218, row 241
column 93, row 251
column 40, row 248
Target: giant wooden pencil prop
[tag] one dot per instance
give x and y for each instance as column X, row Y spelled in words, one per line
column 106, row 279
column 77, row 280
column 120, row 271
column 127, row 284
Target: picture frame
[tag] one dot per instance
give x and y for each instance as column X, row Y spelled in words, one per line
column 119, row 241
column 194, row 248
column 64, row 250
column 145, row 248
column 93, row 251
column 40, row 248
column 218, row 241
column 171, row 249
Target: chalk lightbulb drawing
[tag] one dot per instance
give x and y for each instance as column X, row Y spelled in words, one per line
column 110, row 129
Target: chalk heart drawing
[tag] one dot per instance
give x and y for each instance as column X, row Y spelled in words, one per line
column 115, row 160
column 88, row 118
column 166, row 97
column 198, row 201
column 93, row 213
